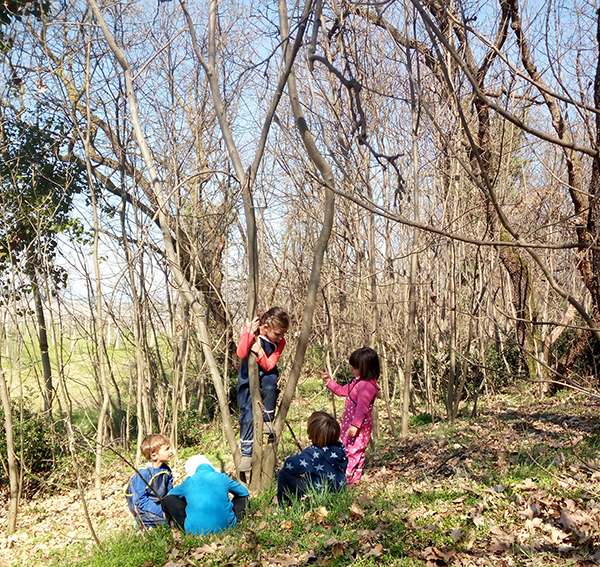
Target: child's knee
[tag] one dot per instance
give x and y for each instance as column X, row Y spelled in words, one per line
column 269, row 381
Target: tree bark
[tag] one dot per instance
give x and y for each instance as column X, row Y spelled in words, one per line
column 13, row 467
column 43, row 342
column 180, row 279
column 412, row 286
column 313, row 286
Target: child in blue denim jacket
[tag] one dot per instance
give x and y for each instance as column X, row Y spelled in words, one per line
column 151, row 483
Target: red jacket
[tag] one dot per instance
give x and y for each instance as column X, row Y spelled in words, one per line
column 265, row 362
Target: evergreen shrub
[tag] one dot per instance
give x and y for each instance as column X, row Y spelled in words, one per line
column 33, row 439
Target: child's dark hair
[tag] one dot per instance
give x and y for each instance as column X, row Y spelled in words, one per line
column 276, row 317
column 323, row 429
column 366, row 360
column 152, row 443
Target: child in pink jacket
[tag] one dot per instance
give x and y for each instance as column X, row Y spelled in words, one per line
column 357, row 421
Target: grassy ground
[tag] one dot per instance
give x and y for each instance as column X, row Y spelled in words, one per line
column 517, row 486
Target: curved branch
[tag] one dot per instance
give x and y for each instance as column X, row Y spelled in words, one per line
column 184, row 285
column 435, row 32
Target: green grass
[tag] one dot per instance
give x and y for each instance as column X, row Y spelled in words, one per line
column 126, row 549
column 332, row 527
column 421, row 491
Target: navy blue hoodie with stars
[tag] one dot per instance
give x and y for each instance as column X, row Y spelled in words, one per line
column 322, row 467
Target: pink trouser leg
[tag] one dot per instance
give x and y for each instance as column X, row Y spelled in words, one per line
column 355, row 450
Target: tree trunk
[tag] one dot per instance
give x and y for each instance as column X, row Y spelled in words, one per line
column 181, row 282
column 385, row 387
column 43, row 341
column 450, row 393
column 13, row 467
column 412, row 290
column 99, row 330
column 142, row 419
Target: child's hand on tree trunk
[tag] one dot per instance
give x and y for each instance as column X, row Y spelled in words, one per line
column 257, row 348
column 253, row 325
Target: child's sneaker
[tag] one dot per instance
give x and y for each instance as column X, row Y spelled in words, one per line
column 268, row 428
column 246, row 464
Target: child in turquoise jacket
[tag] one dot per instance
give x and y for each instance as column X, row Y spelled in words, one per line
column 201, row 503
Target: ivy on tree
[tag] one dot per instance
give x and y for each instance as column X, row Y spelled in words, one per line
column 11, row 10
column 38, row 187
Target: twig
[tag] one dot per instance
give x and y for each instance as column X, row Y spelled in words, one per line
column 332, row 374
column 293, row 434
column 561, row 479
column 86, row 513
column 586, row 465
column 309, row 403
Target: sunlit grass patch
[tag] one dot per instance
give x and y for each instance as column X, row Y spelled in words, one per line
column 434, row 496
column 420, row 420
column 456, row 488
column 126, row 549
column 310, row 387
column 524, row 470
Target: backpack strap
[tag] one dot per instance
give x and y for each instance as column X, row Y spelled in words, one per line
column 146, row 466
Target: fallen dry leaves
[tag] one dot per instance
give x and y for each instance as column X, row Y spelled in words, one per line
column 532, row 519
column 50, row 524
column 318, row 516
column 434, row 556
column 517, row 518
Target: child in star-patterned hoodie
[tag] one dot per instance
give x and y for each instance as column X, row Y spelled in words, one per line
column 320, row 467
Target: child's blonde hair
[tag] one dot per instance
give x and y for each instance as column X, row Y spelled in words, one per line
column 152, row 443
column 366, row 361
column 276, row 317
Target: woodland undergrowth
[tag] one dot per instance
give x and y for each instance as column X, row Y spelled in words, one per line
column 518, row 485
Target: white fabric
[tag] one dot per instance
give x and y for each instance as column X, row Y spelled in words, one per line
column 194, row 462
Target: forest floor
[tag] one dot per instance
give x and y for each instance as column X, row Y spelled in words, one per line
column 518, row 485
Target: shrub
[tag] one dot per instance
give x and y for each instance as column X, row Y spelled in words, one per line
column 420, row 419
column 190, row 429
column 35, row 454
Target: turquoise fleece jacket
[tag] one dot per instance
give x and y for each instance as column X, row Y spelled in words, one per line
column 209, row 509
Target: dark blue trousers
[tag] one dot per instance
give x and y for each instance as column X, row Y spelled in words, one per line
column 290, row 487
column 175, row 509
column 269, row 393
column 150, row 520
